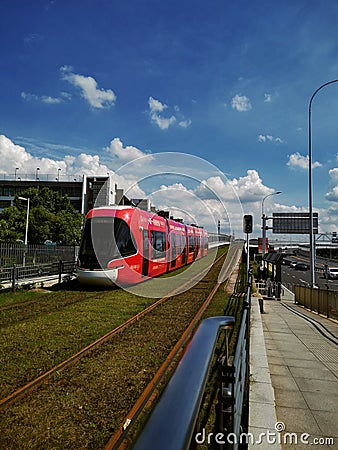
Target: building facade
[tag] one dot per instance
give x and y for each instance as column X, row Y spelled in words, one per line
column 84, row 192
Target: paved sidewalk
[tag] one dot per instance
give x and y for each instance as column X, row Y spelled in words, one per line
column 294, row 378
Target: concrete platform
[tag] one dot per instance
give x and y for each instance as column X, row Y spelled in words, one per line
column 294, row 380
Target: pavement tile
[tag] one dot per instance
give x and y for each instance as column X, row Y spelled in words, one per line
column 327, row 422
column 279, row 369
column 262, row 415
column 302, row 367
column 262, row 393
column 290, row 399
column 325, row 387
column 297, row 420
column 312, row 364
column 282, row 382
column 319, row 402
column 318, row 374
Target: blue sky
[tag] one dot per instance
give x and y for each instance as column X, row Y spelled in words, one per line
column 88, row 85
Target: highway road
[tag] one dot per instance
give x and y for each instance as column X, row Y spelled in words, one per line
column 292, row 276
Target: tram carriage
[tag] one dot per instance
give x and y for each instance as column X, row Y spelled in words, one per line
column 124, row 245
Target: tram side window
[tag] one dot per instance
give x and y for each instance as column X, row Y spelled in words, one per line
column 158, row 244
column 191, row 244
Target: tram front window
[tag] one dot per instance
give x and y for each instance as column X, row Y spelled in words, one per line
column 105, row 239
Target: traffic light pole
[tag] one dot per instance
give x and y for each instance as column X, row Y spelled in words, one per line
column 247, row 229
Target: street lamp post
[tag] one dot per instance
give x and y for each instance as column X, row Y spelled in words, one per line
column 36, row 174
column 264, row 218
column 26, row 232
column 27, row 218
column 311, row 239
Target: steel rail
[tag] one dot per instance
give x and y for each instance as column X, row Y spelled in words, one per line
column 145, row 398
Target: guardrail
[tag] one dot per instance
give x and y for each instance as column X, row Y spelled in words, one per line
column 173, row 422
column 323, row 301
column 15, row 274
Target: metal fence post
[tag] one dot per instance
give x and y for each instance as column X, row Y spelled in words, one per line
column 13, row 277
column 60, row 270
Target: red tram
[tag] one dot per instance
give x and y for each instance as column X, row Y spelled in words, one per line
column 124, row 245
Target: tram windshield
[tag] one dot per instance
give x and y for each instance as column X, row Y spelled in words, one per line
column 105, row 239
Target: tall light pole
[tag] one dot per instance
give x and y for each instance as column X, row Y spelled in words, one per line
column 312, row 242
column 27, row 217
column 264, row 218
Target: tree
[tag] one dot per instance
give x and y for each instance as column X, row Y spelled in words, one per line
column 51, row 217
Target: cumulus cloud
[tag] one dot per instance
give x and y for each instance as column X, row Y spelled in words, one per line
column 334, row 174
column 120, row 154
column 142, row 174
column 241, row 103
column 250, row 188
column 96, row 97
column 156, row 107
column 15, row 156
column 332, row 196
column 296, row 160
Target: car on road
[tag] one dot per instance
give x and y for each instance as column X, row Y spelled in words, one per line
column 331, row 273
column 301, row 266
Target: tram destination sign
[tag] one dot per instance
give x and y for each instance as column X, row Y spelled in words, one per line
column 294, row 223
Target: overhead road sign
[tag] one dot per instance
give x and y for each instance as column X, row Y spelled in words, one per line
column 294, row 223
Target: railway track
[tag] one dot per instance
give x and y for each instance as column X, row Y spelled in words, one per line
column 12, row 403
column 5, row 402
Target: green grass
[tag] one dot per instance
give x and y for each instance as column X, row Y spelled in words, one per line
column 38, row 335
column 82, row 406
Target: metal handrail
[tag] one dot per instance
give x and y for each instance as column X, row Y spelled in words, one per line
column 172, row 423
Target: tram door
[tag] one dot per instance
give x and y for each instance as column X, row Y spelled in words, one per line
column 173, row 250
column 145, row 262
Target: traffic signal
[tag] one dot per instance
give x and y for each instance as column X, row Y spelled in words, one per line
column 247, row 223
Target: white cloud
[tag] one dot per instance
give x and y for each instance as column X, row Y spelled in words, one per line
column 332, row 196
column 205, row 200
column 13, row 156
column 156, row 107
column 121, row 154
column 300, row 161
column 334, row 173
column 267, row 98
column 163, row 122
column 268, row 137
column 250, row 188
column 185, row 123
column 42, row 98
column 241, row 103
column 97, row 98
